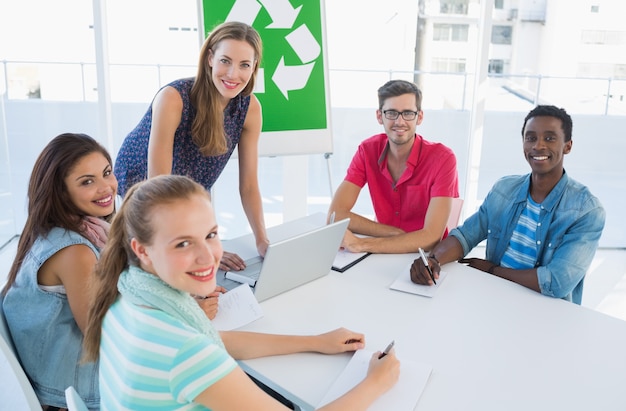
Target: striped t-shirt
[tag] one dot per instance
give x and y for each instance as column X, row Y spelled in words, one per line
column 150, row 360
column 522, row 251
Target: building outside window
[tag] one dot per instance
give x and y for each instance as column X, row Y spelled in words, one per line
column 450, row 32
column 498, row 66
column 448, row 65
column 606, row 37
column 501, row 34
column 453, row 6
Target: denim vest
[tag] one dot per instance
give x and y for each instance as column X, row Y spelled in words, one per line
column 570, row 225
column 47, row 339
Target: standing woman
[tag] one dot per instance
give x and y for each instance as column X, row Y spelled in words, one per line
column 194, row 124
column 71, row 197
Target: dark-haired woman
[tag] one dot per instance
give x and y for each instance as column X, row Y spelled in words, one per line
column 71, row 197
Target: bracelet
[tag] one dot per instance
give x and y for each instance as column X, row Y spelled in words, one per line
column 434, row 258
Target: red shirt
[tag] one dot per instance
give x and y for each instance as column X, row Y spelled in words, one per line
column 430, row 172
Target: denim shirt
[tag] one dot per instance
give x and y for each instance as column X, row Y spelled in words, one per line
column 46, row 336
column 569, row 228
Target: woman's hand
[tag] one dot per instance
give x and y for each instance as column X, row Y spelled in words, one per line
column 261, row 247
column 231, row 261
column 384, row 372
column 209, row 303
column 340, row 340
column 95, row 230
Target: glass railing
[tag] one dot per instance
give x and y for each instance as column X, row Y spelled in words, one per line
column 24, row 80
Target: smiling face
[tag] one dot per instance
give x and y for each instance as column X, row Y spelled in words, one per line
column 400, row 131
column 232, row 64
column 92, row 186
column 545, row 146
column 185, row 250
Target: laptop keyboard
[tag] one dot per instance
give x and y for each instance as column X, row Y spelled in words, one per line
column 250, row 274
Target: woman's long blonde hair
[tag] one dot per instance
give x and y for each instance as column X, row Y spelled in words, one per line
column 133, row 220
column 207, row 130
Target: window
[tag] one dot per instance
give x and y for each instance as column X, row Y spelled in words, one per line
column 606, row 37
column 619, row 71
column 501, row 34
column 450, row 32
column 498, row 4
column 448, row 65
column 497, row 66
column 595, row 9
column 453, row 6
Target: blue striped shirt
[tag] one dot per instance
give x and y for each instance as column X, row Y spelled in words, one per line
column 522, row 250
column 150, row 360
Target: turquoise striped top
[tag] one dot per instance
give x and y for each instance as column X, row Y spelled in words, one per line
column 152, row 361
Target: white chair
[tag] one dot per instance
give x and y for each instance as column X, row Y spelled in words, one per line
column 74, row 402
column 17, row 393
column 455, row 213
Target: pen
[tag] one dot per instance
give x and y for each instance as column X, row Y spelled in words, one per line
column 389, row 347
column 425, row 261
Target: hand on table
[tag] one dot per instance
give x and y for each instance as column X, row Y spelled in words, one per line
column 479, row 264
column 232, row 261
column 340, row 340
column 351, row 242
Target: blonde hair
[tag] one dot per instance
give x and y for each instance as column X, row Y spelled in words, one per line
column 133, row 220
column 207, row 129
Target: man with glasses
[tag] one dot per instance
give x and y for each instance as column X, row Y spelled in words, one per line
column 411, row 181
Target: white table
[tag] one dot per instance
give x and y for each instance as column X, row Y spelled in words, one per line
column 493, row 345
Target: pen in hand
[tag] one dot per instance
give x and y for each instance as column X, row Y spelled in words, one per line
column 389, row 347
column 425, row 261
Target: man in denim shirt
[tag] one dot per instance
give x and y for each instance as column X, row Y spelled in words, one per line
column 542, row 229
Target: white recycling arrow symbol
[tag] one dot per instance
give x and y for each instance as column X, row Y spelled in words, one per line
column 283, row 15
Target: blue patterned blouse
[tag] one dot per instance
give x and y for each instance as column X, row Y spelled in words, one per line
column 131, row 164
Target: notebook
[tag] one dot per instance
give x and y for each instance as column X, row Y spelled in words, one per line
column 346, row 259
column 292, row 262
column 403, row 283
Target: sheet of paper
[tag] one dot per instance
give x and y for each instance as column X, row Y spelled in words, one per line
column 345, row 258
column 401, row 397
column 403, row 283
column 236, row 308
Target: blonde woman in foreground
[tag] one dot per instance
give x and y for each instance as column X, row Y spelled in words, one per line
column 157, row 349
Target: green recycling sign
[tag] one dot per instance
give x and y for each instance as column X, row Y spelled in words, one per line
column 291, row 85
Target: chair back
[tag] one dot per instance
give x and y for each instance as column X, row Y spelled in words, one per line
column 455, row 213
column 17, row 392
column 74, row 402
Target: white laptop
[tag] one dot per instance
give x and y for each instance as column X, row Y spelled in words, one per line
column 292, row 262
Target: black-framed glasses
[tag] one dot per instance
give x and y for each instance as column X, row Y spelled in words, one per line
column 407, row 115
